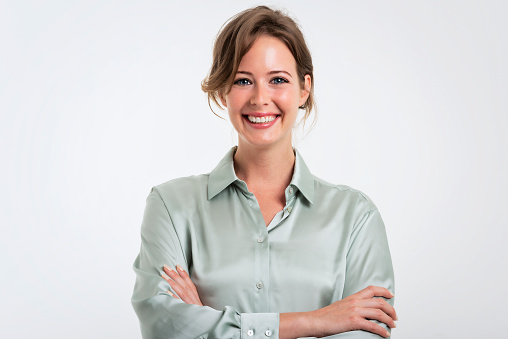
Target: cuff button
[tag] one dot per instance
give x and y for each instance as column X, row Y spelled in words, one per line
column 268, row 333
column 250, row 333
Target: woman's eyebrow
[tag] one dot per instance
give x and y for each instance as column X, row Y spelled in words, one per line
column 244, row 72
column 281, row 71
column 271, row 72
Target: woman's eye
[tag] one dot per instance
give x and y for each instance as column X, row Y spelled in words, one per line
column 242, row 82
column 279, row 80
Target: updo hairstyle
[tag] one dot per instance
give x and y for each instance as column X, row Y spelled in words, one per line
column 235, row 39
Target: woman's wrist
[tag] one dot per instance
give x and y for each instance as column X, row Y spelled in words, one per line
column 296, row 325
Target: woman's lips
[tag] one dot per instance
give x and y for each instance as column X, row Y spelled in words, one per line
column 261, row 121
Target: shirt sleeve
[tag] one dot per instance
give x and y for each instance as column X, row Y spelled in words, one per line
column 162, row 316
column 368, row 262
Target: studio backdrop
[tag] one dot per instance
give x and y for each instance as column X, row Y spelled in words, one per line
column 101, row 100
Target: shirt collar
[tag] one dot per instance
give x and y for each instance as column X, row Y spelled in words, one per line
column 224, row 175
column 302, row 178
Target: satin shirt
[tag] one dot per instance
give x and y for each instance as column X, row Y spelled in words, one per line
column 327, row 243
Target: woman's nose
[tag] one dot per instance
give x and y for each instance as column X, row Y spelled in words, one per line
column 260, row 95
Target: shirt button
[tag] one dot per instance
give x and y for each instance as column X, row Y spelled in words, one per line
column 290, row 209
column 268, row 333
column 291, row 190
column 250, row 203
column 260, row 240
column 250, row 333
column 259, row 285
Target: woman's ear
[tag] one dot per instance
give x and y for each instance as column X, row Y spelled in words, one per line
column 223, row 99
column 305, row 91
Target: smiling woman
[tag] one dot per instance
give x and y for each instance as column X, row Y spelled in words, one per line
column 266, row 93
column 260, row 247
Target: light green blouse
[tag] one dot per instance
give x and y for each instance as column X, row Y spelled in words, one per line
column 327, row 243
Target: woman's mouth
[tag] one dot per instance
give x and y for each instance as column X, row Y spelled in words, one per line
column 261, row 120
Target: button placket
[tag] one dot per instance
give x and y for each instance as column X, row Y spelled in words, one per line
column 261, row 263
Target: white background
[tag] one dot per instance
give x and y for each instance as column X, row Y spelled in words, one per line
column 100, row 100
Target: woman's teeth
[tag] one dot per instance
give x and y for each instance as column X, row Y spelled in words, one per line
column 261, row 120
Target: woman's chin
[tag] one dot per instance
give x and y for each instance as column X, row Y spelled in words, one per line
column 264, row 141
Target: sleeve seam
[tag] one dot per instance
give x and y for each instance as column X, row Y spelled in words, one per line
column 359, row 224
column 173, row 225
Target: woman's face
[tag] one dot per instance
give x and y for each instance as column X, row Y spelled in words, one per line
column 264, row 99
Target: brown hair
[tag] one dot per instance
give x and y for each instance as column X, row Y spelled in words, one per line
column 237, row 36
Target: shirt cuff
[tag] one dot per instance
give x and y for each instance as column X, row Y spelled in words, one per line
column 259, row 325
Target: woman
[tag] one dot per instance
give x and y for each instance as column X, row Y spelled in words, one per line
column 271, row 250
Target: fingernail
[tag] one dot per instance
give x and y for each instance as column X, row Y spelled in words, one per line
column 391, row 294
column 387, row 333
column 164, row 276
column 178, row 267
column 171, row 294
column 394, row 325
column 168, row 268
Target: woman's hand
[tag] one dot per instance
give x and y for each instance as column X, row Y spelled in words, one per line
column 349, row 314
column 182, row 284
column 353, row 313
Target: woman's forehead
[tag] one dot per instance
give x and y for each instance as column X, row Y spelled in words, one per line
column 268, row 54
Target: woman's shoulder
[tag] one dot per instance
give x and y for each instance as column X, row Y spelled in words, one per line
column 342, row 194
column 182, row 189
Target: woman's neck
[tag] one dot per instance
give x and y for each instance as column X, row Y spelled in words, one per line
column 263, row 167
